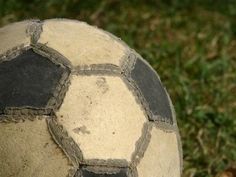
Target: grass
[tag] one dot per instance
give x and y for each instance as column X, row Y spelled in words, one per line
column 192, row 45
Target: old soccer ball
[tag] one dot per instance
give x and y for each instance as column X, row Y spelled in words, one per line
column 75, row 101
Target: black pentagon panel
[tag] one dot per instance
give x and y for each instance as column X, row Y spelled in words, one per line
column 152, row 90
column 86, row 173
column 28, row 80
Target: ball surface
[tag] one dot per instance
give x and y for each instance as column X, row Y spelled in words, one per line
column 76, row 101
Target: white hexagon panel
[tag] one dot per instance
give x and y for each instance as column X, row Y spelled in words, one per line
column 102, row 116
column 29, row 150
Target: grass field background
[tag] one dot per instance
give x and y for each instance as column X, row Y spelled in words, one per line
column 191, row 44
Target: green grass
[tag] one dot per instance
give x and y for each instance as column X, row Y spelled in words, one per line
column 192, row 45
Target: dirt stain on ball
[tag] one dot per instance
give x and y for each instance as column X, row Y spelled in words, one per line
column 102, row 84
column 82, row 129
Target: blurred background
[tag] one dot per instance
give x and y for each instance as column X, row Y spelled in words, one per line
column 191, row 44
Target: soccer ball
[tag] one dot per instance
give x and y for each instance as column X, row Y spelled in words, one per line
column 75, row 101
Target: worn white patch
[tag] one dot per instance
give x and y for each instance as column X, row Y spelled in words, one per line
column 102, row 116
column 81, row 43
column 162, row 157
column 27, row 150
column 14, row 35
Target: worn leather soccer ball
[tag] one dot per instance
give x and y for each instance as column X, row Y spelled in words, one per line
column 75, row 101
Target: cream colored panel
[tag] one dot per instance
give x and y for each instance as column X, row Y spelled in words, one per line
column 14, row 35
column 27, row 150
column 82, row 44
column 102, row 116
column 161, row 157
